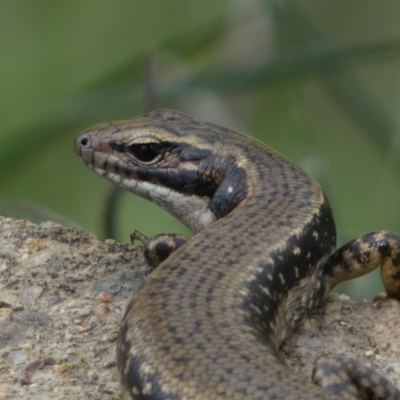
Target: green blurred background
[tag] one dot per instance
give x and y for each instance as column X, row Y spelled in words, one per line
column 316, row 80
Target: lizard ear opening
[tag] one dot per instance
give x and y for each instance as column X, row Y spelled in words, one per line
column 231, row 191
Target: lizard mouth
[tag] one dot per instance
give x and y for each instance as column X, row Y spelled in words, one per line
column 192, row 209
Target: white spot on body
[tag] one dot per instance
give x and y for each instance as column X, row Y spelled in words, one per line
column 265, row 290
column 296, row 250
column 295, row 306
column 304, row 299
column 147, row 388
column 256, row 309
column 230, row 189
column 315, row 235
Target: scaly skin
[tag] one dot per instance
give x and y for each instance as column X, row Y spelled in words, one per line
column 208, row 322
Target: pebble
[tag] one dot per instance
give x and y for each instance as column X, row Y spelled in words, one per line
column 369, row 353
column 304, row 341
column 6, row 392
column 17, row 357
column 5, row 315
column 395, row 367
column 32, row 294
column 81, row 328
column 104, row 297
column 84, row 312
column 3, row 267
column 381, row 328
column 344, row 297
column 102, row 311
column 54, row 300
column 11, row 301
column 47, row 227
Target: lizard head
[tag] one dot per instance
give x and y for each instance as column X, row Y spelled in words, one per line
column 183, row 165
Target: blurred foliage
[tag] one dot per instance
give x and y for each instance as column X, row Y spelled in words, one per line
column 318, row 81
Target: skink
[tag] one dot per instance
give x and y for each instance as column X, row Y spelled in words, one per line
column 208, row 321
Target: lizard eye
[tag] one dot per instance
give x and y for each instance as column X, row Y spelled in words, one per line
column 145, row 152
